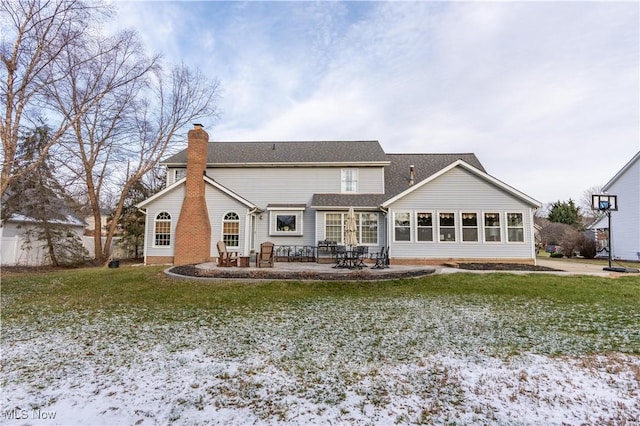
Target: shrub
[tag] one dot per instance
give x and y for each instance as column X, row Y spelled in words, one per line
column 556, row 254
column 588, row 248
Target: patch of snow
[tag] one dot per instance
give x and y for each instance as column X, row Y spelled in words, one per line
column 367, row 362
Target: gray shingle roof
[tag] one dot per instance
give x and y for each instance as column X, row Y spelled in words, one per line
column 396, row 171
column 346, row 152
column 396, row 178
column 396, row 175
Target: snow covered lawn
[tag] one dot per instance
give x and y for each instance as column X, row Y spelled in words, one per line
column 384, row 357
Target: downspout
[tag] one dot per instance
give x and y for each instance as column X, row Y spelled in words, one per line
column 385, row 213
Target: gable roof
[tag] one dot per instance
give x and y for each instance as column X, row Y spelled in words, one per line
column 249, row 154
column 622, row 171
column 208, row 180
column 474, row 170
column 396, row 176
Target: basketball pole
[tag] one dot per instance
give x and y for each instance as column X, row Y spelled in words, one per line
column 609, row 242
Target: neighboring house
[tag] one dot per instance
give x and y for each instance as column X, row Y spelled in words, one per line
column 20, row 247
column 625, row 222
column 426, row 208
column 90, row 229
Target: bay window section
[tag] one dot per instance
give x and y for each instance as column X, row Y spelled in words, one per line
column 402, row 226
column 515, row 228
column 469, row 227
column 492, row 231
column 447, row 227
column 424, row 226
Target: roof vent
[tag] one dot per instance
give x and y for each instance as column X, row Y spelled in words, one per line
column 412, row 175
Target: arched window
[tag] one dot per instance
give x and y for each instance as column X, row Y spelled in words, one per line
column 162, row 230
column 231, row 229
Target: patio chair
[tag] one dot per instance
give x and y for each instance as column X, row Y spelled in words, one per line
column 381, row 258
column 265, row 257
column 226, row 258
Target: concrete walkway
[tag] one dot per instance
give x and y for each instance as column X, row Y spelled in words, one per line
column 581, row 268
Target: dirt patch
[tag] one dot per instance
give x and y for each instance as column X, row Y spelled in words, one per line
column 505, row 267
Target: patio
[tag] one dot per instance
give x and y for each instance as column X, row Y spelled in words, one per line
column 299, row 271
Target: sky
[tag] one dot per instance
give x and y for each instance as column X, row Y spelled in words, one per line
column 546, row 94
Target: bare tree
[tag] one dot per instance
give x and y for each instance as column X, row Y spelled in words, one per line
column 585, row 203
column 35, row 34
column 127, row 133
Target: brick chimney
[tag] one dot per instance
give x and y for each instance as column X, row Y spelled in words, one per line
column 193, row 231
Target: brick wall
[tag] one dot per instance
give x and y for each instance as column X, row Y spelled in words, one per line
column 193, row 231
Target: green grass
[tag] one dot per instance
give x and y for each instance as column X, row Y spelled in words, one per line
column 596, row 314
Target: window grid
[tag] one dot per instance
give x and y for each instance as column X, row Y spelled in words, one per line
column 333, row 227
column 231, row 230
column 369, row 228
column 162, row 231
column 349, row 181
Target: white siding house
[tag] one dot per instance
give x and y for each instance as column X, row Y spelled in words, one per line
column 625, row 222
column 298, row 193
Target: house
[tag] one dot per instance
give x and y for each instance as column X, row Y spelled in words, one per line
column 426, row 208
column 21, row 244
column 625, row 222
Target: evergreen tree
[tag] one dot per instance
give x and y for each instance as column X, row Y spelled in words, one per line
column 565, row 212
column 40, row 197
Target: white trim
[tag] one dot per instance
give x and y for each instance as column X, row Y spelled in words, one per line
column 456, row 224
column 208, row 180
column 223, row 221
column 477, row 227
column 171, row 230
column 500, row 227
column 393, row 226
column 475, row 171
column 344, row 181
column 506, row 227
column 433, row 226
column 622, row 171
column 299, row 222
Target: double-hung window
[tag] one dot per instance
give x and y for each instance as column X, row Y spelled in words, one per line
column 447, row 226
column 469, row 227
column 402, row 226
column 424, row 226
column 515, row 228
column 349, row 180
column 492, row 231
